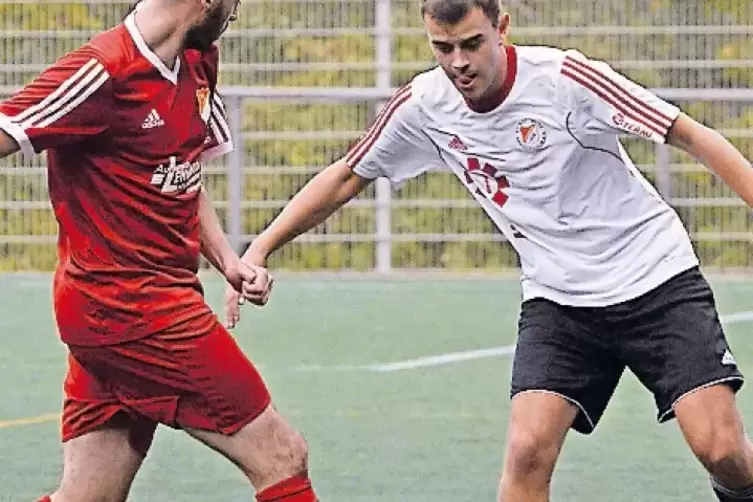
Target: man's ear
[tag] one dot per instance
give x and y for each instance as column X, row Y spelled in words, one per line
column 504, row 26
column 206, row 5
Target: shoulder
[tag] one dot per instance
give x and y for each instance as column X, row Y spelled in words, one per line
column 430, row 85
column 113, row 49
column 432, row 91
column 97, row 63
column 562, row 74
column 406, row 102
column 540, row 64
column 540, row 55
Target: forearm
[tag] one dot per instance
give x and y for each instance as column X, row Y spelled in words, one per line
column 214, row 244
column 8, row 145
column 315, row 202
column 716, row 153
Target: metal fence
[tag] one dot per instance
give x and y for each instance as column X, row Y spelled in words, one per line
column 303, row 78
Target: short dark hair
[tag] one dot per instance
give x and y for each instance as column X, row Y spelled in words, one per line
column 452, row 11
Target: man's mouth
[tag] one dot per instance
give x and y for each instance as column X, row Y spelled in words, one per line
column 465, row 81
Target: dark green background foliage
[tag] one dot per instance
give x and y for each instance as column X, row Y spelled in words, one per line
column 272, row 45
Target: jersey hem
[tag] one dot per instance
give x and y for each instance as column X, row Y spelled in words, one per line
column 17, row 133
column 359, row 171
column 673, row 114
column 216, row 151
column 668, row 270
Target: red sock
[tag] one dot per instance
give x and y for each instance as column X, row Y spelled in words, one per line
column 46, row 498
column 294, row 489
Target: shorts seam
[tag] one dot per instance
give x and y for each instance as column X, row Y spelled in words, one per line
column 664, row 415
column 111, row 413
column 196, row 388
column 566, row 398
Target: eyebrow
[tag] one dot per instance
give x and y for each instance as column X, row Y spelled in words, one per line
column 474, row 38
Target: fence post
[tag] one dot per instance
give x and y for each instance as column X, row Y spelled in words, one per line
column 235, row 174
column 383, row 190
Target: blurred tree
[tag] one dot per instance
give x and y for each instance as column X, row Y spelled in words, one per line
column 659, row 43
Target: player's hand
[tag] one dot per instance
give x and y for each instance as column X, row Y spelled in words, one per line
column 255, row 289
column 233, row 301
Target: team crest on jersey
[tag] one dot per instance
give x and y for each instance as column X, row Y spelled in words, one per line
column 531, row 134
column 202, row 99
column 487, row 180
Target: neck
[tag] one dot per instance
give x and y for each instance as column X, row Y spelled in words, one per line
column 163, row 25
column 502, row 83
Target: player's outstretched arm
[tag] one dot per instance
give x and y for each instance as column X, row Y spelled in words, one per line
column 715, row 152
column 251, row 281
column 395, row 147
column 604, row 101
column 8, row 145
column 313, row 204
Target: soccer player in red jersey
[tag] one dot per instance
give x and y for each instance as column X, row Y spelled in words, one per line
column 127, row 120
column 609, row 278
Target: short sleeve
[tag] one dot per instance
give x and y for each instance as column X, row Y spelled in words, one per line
column 603, row 100
column 219, row 140
column 65, row 104
column 395, row 146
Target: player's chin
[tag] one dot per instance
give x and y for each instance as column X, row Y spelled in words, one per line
column 471, row 93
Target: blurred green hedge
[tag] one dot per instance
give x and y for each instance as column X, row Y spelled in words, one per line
column 251, row 59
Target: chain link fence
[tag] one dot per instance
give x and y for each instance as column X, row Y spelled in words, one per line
column 304, row 78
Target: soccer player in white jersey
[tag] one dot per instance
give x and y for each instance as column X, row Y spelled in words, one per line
column 609, row 277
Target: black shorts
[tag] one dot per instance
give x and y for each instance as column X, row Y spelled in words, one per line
column 670, row 338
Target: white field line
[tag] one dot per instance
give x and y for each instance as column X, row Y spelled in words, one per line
column 421, row 362
column 470, row 355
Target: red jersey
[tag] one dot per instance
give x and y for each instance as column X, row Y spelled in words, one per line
column 125, row 137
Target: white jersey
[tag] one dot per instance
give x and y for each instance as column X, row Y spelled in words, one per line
column 547, row 166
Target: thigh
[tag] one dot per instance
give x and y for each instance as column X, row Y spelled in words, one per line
column 183, row 378
column 560, row 351
column 538, row 424
column 710, row 421
column 99, row 465
column 90, row 404
column 227, row 391
column 102, row 451
column 267, row 448
column 673, row 341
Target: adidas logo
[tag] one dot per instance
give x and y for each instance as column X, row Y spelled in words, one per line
column 728, row 359
column 457, row 144
column 152, row 120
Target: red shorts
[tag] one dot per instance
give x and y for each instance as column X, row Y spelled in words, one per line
column 182, row 380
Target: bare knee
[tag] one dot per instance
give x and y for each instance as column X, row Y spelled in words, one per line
column 274, row 451
column 720, row 451
column 267, row 450
column 538, row 425
column 714, row 431
column 530, row 452
column 292, row 452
